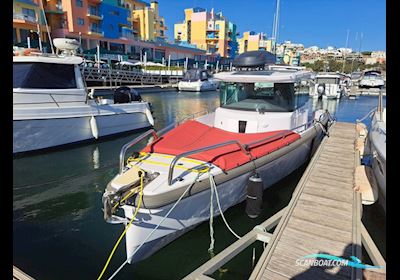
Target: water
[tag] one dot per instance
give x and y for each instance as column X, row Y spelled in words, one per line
column 58, row 226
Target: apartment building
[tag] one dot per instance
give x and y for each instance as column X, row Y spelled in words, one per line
column 131, row 27
column 252, row 41
column 28, row 22
column 146, row 20
column 209, row 31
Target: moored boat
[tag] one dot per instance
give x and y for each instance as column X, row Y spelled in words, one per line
column 377, row 143
column 197, row 80
column 328, row 86
column 262, row 129
column 51, row 105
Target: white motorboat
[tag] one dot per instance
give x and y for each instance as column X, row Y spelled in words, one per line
column 327, row 85
column 51, row 106
column 377, row 143
column 372, row 79
column 261, row 132
column 197, row 80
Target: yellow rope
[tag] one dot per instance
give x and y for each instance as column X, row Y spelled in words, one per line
column 126, row 228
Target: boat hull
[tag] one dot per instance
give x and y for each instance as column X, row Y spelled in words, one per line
column 197, row 86
column 377, row 141
column 37, row 134
column 194, row 209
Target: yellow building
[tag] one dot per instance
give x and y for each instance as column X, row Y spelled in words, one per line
column 208, row 31
column 252, row 41
column 28, row 22
column 146, row 21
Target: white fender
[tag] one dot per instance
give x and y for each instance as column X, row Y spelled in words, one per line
column 149, row 116
column 93, row 126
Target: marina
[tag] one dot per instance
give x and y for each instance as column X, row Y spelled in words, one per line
column 146, row 151
column 75, row 188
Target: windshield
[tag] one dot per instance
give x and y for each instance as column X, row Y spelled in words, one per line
column 43, row 75
column 191, row 75
column 265, row 97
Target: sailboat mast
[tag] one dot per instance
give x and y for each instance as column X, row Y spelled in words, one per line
column 47, row 26
column 344, row 53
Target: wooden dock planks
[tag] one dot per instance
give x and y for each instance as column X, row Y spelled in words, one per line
column 322, row 216
column 20, row 275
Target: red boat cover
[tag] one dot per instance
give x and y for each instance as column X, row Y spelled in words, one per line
column 194, row 135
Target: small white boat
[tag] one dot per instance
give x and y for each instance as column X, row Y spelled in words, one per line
column 262, row 131
column 197, row 80
column 327, row 85
column 372, row 79
column 51, row 106
column 377, row 142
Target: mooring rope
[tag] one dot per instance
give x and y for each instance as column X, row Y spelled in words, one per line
column 157, row 226
column 213, row 185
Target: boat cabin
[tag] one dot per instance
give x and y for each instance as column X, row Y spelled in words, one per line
column 48, row 81
column 327, row 78
column 261, row 101
column 193, row 75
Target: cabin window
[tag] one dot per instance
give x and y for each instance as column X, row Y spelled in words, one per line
column 43, row 75
column 267, row 97
column 191, row 75
column 327, row 80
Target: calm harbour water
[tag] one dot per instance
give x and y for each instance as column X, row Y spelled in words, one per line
column 58, row 226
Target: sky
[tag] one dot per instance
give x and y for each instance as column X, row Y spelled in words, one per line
column 310, row 22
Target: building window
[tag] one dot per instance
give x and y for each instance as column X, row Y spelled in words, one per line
column 114, row 13
column 81, row 21
column 29, row 13
column 79, row 3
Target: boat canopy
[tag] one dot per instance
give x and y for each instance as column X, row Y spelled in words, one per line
column 193, row 135
column 49, row 59
column 195, row 75
column 264, row 76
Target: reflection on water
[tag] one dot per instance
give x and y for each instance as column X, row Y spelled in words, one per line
column 325, row 104
column 57, row 203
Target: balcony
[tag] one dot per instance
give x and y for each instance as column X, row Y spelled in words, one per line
column 23, row 18
column 94, row 14
column 127, row 36
column 96, row 32
column 54, row 9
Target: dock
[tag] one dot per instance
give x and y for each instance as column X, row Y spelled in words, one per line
column 355, row 91
column 20, row 275
column 117, row 77
column 323, row 217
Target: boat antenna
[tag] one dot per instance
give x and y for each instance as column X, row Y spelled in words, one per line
column 47, row 26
